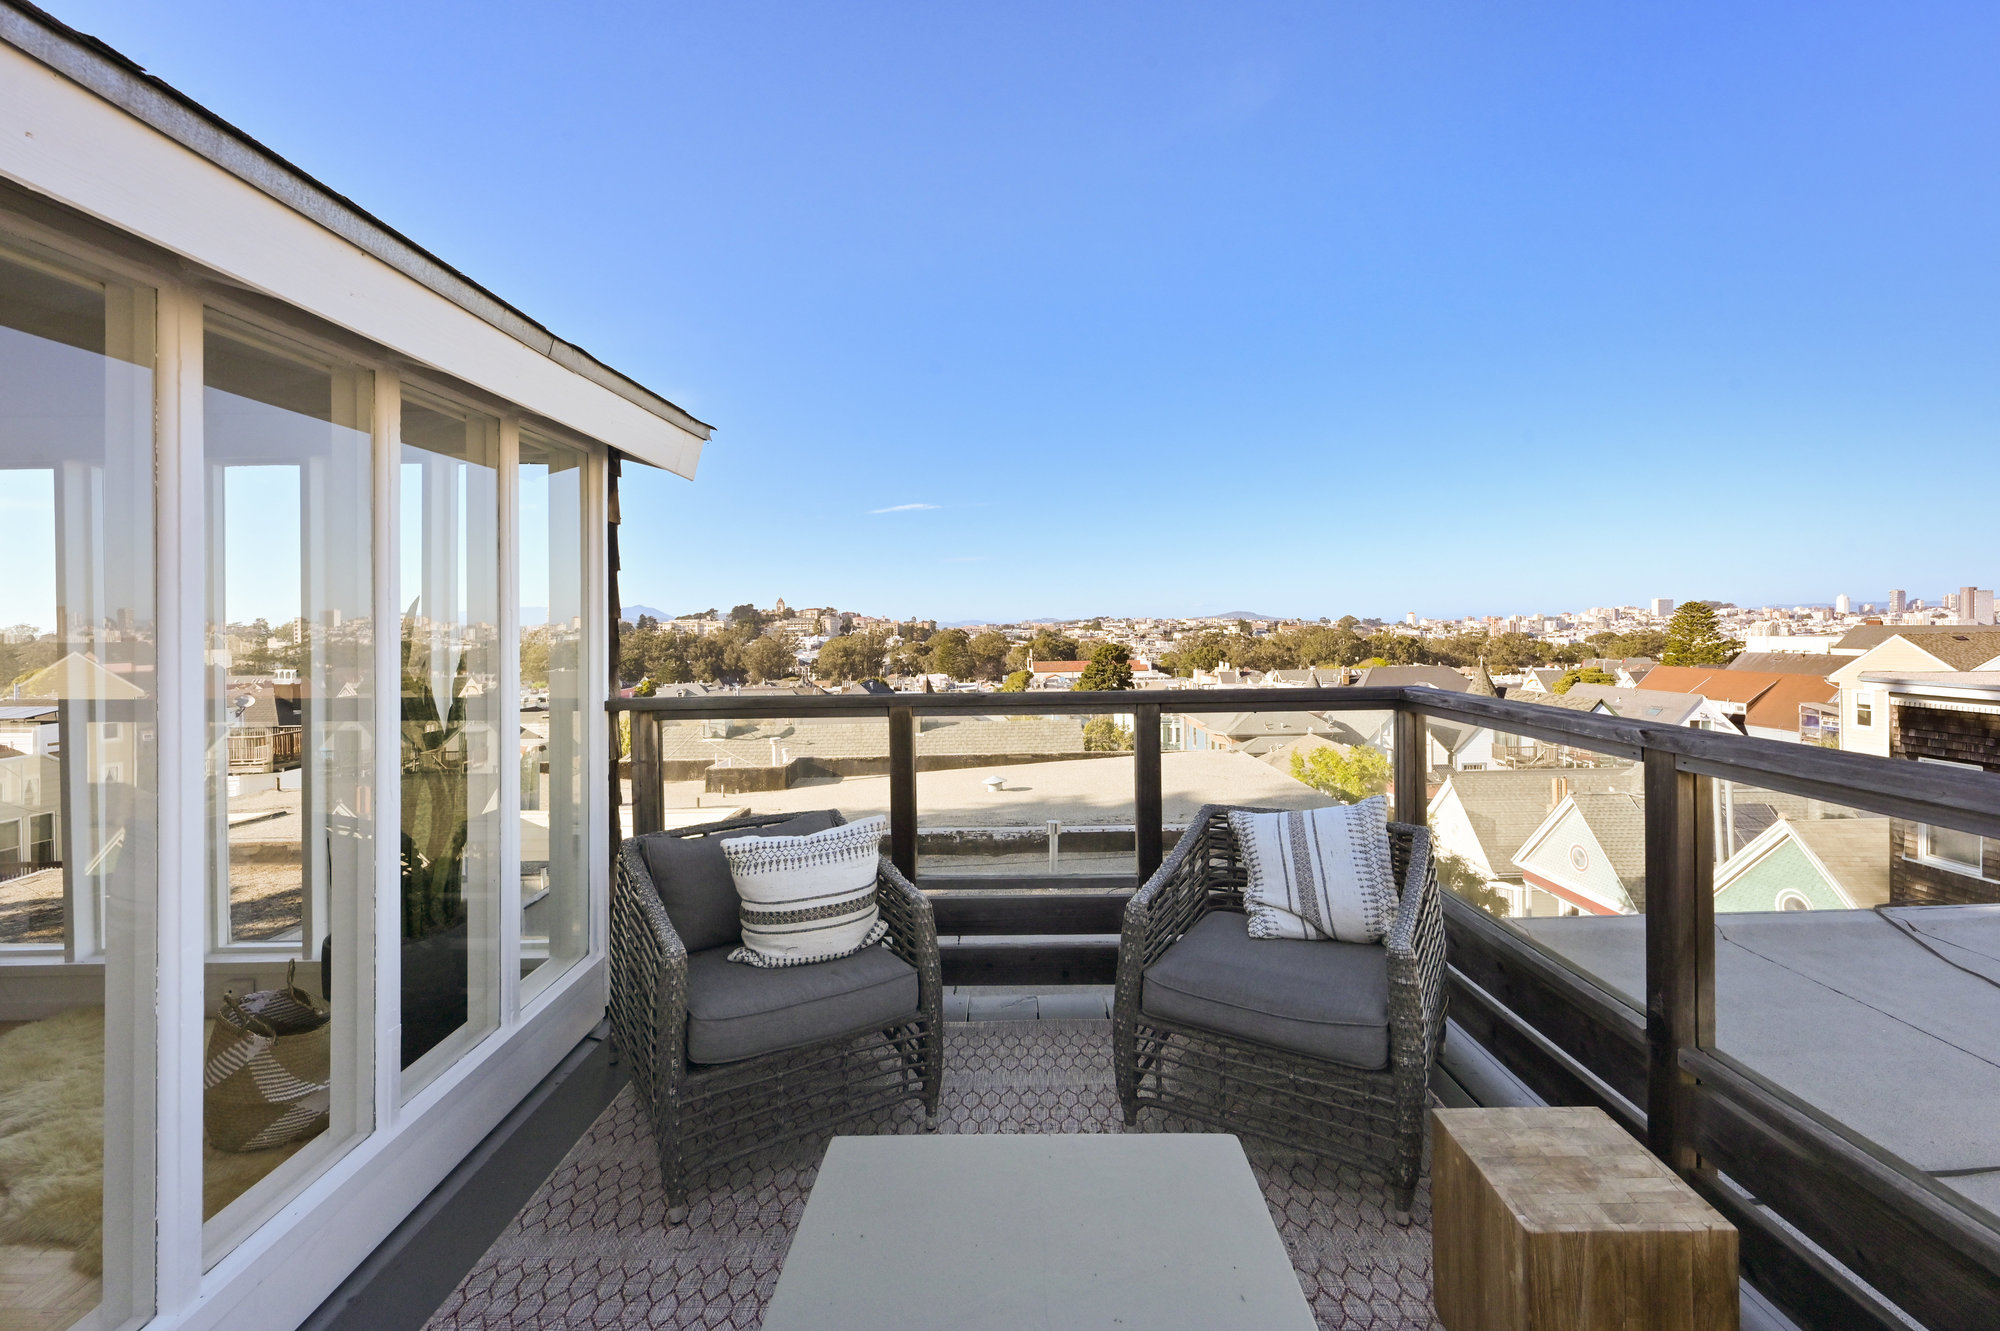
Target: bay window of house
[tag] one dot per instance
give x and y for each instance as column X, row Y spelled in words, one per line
column 549, row 559
column 78, row 790
column 288, row 447
column 453, row 732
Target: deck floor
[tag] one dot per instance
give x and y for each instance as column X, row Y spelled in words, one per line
column 592, row 1248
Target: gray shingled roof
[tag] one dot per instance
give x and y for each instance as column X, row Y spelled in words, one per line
column 1438, row 677
column 1967, row 649
column 1655, row 705
column 1618, row 821
column 1854, row 850
column 1863, row 636
column 1505, row 806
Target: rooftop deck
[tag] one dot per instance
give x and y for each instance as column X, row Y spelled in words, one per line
column 593, row 1246
column 1819, row 1079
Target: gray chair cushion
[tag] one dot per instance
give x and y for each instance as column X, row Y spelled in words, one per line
column 737, row 1012
column 1326, row 1000
column 693, row 881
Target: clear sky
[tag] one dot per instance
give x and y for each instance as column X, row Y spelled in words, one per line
column 1051, row 309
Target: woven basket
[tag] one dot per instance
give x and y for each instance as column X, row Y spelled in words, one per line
column 266, row 1077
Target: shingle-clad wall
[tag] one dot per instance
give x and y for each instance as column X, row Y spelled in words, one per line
column 1917, row 731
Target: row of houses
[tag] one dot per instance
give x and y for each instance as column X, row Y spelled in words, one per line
column 1555, row 830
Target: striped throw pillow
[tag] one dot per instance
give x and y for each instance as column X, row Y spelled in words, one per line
column 1319, row 873
column 807, row 898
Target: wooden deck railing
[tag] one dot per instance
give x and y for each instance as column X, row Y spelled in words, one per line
column 1746, row 1144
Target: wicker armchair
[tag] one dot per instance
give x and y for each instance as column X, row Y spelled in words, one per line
column 707, row 1114
column 1367, row 1115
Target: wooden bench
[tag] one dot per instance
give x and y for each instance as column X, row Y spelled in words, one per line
column 1557, row 1220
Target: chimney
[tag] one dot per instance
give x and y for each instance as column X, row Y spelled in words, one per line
column 1558, row 790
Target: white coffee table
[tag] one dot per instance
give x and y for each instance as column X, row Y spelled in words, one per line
column 1153, row 1231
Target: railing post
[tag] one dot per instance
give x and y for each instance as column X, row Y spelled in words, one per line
column 903, row 791
column 1680, row 950
column 1412, row 769
column 1146, row 812
column 649, row 795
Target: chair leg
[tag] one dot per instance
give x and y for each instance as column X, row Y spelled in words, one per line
column 933, row 1076
column 1403, row 1172
column 1125, row 1069
column 674, row 1182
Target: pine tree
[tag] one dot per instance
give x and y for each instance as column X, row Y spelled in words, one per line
column 1110, row 668
column 1694, row 638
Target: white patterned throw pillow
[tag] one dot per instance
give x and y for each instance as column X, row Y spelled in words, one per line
column 1319, row 873
column 807, row 898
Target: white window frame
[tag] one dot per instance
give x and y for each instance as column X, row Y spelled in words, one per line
column 161, row 1266
column 1926, row 855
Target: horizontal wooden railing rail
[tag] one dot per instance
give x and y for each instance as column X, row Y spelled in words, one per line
column 1751, row 1147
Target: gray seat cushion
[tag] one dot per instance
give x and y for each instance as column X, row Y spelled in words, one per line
column 693, row 881
column 737, row 1012
column 1327, row 1000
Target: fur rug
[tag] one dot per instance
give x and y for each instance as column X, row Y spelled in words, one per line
column 52, row 1140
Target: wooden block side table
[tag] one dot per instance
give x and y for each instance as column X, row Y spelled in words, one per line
column 1557, row 1220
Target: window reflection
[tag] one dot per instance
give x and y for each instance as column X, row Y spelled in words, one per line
column 291, row 692
column 452, row 712
column 78, row 805
column 554, row 886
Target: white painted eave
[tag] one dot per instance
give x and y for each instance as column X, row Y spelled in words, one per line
column 66, row 142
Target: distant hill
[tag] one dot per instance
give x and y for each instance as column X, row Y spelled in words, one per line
column 1238, row 614
column 632, row 612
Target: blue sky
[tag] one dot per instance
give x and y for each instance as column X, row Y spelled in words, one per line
column 1316, row 309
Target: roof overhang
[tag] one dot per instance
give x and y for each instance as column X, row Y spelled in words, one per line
column 91, row 131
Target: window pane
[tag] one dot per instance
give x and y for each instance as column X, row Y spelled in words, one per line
column 1952, row 846
column 77, row 787
column 451, row 743
column 291, row 693
column 555, row 892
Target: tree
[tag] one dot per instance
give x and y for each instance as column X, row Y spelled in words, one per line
column 1110, row 668
column 989, row 654
column 1016, row 682
column 768, row 658
column 1694, row 638
column 1049, row 645
column 1582, row 675
column 746, row 614
column 951, row 653
column 1350, row 775
column 1639, row 642
column 1101, row 734
column 1204, row 651
column 1511, row 653
column 1456, row 875
column 852, row 656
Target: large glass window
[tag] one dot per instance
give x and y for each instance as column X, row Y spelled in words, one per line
column 555, row 889
column 78, row 792
column 452, row 742
column 291, row 696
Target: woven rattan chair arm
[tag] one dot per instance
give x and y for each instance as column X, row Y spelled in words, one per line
column 912, row 923
column 1402, row 932
column 1416, row 947
column 648, row 982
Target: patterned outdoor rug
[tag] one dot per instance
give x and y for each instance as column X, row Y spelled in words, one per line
column 592, row 1248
